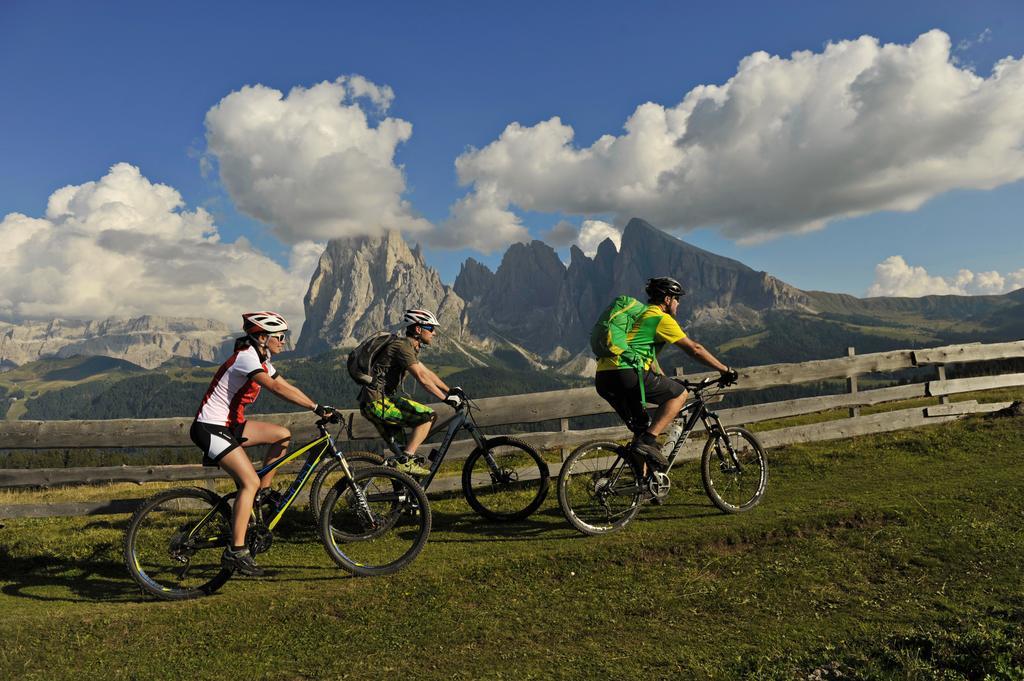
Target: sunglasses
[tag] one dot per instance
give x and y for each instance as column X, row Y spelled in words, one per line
column 427, row 327
column 278, row 336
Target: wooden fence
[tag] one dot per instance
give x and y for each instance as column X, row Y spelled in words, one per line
column 560, row 405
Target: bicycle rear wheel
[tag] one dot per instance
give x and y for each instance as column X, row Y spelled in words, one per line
column 508, row 480
column 734, row 485
column 375, row 523
column 174, row 541
column 331, row 472
column 599, row 489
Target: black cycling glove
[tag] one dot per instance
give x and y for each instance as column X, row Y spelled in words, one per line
column 729, row 377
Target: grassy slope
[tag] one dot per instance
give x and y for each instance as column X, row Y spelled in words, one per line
column 37, row 378
column 895, row 555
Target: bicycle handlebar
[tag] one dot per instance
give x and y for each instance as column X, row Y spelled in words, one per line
column 334, row 416
column 702, row 384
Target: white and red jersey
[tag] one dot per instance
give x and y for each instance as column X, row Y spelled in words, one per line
column 232, row 389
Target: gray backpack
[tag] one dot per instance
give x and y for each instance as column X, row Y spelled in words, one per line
column 362, row 365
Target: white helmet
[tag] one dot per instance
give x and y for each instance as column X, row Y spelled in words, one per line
column 420, row 317
column 263, row 322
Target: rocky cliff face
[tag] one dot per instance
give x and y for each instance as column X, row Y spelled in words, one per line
column 474, row 281
column 147, row 341
column 549, row 308
column 711, row 281
column 365, row 284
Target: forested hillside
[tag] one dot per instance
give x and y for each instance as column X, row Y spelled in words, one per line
column 176, row 391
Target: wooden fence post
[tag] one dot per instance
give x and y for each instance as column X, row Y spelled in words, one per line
column 563, row 426
column 941, row 368
column 851, row 385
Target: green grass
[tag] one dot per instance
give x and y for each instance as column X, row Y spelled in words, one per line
column 981, row 396
column 890, row 556
column 743, row 342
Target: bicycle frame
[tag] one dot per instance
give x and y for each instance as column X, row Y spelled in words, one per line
column 456, row 422
column 689, row 414
column 324, row 445
column 712, row 426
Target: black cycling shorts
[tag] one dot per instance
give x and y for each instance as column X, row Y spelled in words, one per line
column 215, row 440
column 621, row 389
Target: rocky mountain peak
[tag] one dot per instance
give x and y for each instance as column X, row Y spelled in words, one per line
column 528, row 273
column 474, row 281
column 711, row 281
column 365, row 284
column 606, row 252
column 147, row 341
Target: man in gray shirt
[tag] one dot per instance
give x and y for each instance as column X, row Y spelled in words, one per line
column 392, row 413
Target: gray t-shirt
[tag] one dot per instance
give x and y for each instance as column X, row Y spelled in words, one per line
column 394, row 360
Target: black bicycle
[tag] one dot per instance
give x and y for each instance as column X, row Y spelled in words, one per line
column 374, row 520
column 503, row 478
column 601, row 485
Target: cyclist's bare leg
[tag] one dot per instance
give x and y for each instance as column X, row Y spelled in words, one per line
column 665, row 413
column 239, row 467
column 263, row 433
column 416, row 437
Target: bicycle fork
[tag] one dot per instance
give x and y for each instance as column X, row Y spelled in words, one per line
column 363, row 509
column 718, row 432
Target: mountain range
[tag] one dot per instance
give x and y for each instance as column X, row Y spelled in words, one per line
column 146, row 341
column 536, row 311
column 520, row 328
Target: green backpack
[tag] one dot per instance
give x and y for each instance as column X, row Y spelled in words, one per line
column 608, row 337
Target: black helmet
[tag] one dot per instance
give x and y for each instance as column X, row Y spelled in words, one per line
column 659, row 287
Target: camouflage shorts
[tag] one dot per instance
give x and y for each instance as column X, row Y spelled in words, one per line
column 391, row 415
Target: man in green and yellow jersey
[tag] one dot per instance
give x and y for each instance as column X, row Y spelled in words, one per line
column 619, row 383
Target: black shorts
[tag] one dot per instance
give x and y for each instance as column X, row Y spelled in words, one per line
column 621, row 389
column 216, row 440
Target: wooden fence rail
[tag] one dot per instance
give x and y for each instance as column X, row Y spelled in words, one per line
column 556, row 406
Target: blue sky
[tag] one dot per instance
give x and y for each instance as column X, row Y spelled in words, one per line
column 90, row 85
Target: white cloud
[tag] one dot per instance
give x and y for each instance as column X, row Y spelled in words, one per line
column 588, row 236
column 479, row 222
column 123, row 246
column 894, row 277
column 311, row 164
column 785, row 146
column 593, row 232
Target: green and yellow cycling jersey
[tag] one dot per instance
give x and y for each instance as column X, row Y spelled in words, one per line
column 652, row 330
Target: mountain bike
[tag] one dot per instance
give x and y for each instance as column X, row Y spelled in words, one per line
column 374, row 521
column 503, row 478
column 601, row 485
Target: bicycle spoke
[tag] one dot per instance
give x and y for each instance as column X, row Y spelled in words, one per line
column 506, row 481
column 376, row 525
column 174, row 544
column 597, row 489
column 734, row 480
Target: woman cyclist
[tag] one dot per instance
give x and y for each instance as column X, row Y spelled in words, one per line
column 222, row 431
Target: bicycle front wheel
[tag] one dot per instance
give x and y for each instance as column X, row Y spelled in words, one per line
column 174, row 541
column 734, row 481
column 331, row 472
column 505, row 480
column 375, row 523
column 598, row 488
